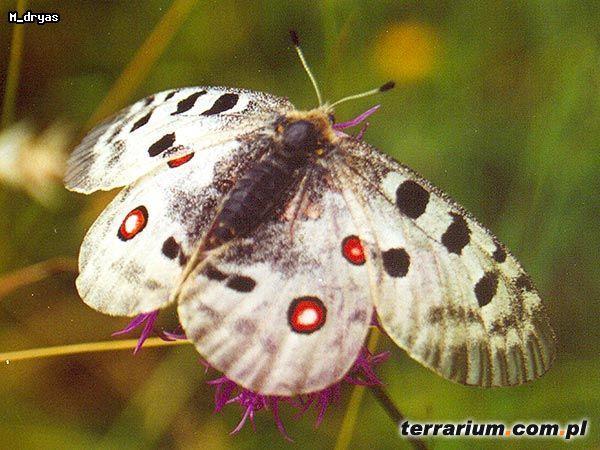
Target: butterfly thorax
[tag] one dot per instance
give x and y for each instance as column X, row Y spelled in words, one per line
column 298, row 139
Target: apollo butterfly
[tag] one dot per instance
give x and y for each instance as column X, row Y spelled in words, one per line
column 280, row 237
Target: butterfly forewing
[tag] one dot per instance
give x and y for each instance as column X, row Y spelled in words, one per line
column 446, row 290
column 164, row 127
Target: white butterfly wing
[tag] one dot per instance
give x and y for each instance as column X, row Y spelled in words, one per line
column 446, row 291
column 164, row 127
column 133, row 256
column 283, row 312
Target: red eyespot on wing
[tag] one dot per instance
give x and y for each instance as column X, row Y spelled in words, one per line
column 133, row 223
column 180, row 161
column 353, row 251
column 306, row 315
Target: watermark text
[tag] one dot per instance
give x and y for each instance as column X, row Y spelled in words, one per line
column 494, row 429
column 32, row 17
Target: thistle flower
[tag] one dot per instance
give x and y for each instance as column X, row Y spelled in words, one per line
column 357, row 120
column 228, row 392
column 145, row 319
column 338, row 127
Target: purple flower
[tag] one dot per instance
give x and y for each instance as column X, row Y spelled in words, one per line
column 149, row 319
column 137, row 321
column 338, row 127
column 177, row 335
column 358, row 119
column 228, row 392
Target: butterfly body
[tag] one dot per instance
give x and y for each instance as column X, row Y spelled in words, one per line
column 294, row 144
column 279, row 239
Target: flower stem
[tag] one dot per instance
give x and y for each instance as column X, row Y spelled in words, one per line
column 349, row 421
column 392, row 410
column 87, row 347
column 34, row 273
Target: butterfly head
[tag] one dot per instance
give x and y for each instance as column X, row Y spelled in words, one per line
column 306, row 133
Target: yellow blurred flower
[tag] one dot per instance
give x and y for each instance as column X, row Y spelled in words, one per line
column 406, row 51
column 34, row 162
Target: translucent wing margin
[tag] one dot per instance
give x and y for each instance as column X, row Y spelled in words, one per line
column 446, row 290
column 163, row 127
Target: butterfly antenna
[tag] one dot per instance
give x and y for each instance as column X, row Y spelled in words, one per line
column 296, row 42
column 386, row 87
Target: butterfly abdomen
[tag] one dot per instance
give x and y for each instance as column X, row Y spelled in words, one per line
column 254, row 196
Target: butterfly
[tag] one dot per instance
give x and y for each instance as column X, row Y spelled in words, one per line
column 279, row 238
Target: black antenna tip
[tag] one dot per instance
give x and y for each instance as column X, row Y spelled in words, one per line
column 387, row 86
column 295, row 38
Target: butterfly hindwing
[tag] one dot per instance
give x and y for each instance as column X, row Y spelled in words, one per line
column 141, row 242
column 446, row 290
column 284, row 311
column 165, row 127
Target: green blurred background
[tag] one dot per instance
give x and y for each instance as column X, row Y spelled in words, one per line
column 496, row 103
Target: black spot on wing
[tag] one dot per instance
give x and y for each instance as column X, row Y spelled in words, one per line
column 118, row 128
column 503, row 325
column 170, row 95
column 486, row 288
column 241, row 283
column 499, row 254
column 187, row 103
column 457, row 235
column 396, row 262
column 152, row 284
column 183, row 258
column 141, row 122
column 170, row 248
column 148, row 100
column 411, row 199
column 435, row 315
column 524, row 283
column 162, row 144
column 212, row 273
column 223, row 103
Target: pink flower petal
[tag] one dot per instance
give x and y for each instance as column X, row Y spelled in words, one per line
column 358, row 119
column 137, row 321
